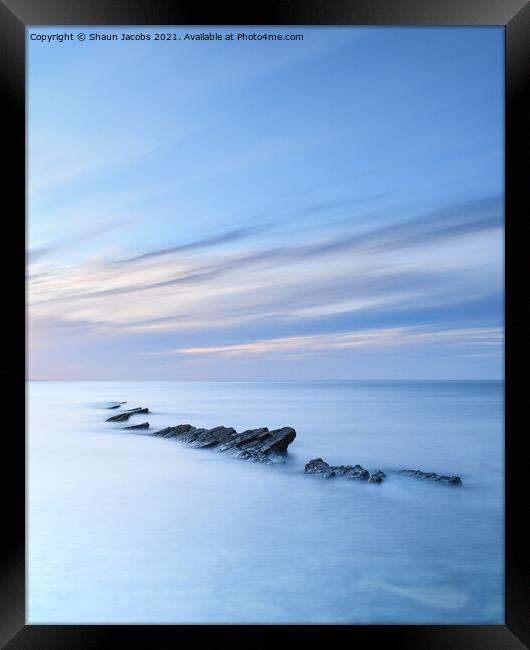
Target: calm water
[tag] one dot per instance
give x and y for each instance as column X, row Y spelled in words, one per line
column 124, row 527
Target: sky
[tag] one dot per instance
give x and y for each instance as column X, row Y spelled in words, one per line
column 330, row 208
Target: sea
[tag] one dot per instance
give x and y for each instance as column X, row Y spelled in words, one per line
column 124, row 527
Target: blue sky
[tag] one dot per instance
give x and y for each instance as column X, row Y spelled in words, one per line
column 331, row 208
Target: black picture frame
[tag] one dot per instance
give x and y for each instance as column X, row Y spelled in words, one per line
column 15, row 15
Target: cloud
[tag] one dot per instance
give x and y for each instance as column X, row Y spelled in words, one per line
column 457, row 220
column 74, row 241
column 337, row 204
column 420, row 232
column 39, row 253
column 201, row 244
column 303, row 298
column 375, row 338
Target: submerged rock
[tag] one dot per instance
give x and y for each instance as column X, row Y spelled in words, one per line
column 115, row 405
column 125, row 415
column 353, row 472
column 144, row 425
column 254, row 444
column 416, row 473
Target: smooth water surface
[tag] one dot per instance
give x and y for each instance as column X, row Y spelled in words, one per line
column 124, row 527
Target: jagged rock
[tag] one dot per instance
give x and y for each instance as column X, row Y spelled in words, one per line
column 213, row 437
column 144, row 425
column 318, row 466
column 416, row 473
column 267, row 443
column 353, row 472
column 237, row 441
column 121, row 417
column 254, row 444
column 172, row 432
column 183, row 432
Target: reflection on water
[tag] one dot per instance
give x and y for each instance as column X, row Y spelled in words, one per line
column 124, row 527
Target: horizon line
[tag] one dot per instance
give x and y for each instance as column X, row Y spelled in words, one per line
column 468, row 379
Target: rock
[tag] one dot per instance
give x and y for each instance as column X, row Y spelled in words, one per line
column 144, row 425
column 355, row 472
column 121, row 417
column 183, row 433
column 416, row 473
column 240, row 439
column 172, row 432
column 213, row 437
column 352, row 472
column 254, row 444
column 318, row 466
column 268, row 443
column 115, row 405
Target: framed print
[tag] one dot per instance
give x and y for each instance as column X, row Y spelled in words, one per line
column 266, row 278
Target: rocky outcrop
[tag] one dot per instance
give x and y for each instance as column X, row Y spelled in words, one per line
column 354, row 472
column 125, row 415
column 323, row 469
column 264, row 446
column 431, row 476
column 254, row 444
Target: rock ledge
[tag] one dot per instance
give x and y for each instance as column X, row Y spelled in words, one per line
column 431, row 476
column 354, row 472
column 253, row 444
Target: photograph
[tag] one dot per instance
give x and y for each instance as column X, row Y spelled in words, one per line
column 265, row 286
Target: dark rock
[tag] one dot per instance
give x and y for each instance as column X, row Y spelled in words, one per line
column 186, row 433
column 115, row 405
column 144, row 425
column 318, row 466
column 183, row 432
column 213, row 437
column 268, row 443
column 240, row 439
column 173, row 432
column 254, row 444
column 121, row 417
column 416, row 473
column 353, row 472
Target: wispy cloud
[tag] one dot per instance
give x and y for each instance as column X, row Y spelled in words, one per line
column 201, row 244
column 300, row 220
column 375, row 338
column 290, row 282
column 455, row 221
